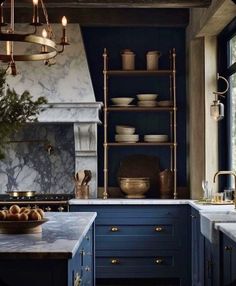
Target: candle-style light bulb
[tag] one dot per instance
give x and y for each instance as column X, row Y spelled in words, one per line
column 44, row 33
column 64, row 37
column 8, row 48
column 64, row 21
column 35, row 13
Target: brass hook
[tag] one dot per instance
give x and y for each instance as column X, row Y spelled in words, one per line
column 226, row 89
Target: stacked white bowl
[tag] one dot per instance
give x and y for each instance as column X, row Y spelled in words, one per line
column 147, row 99
column 126, row 134
column 156, row 138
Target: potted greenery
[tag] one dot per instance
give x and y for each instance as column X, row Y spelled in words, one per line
column 15, row 110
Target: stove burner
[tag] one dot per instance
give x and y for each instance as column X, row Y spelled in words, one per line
column 38, row 197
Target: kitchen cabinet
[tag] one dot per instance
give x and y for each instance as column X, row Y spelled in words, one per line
column 197, row 250
column 62, row 255
column 171, row 109
column 142, row 241
column 228, row 261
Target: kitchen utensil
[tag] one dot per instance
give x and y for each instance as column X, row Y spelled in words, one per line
column 13, row 227
column 166, row 184
column 128, row 60
column 126, row 138
column 140, row 166
column 165, row 103
column 122, row 101
column 147, row 103
column 87, row 177
column 124, row 129
column 156, row 138
column 153, row 60
column 134, row 188
column 79, row 176
column 20, row 193
column 205, row 188
column 147, row 96
column 81, row 191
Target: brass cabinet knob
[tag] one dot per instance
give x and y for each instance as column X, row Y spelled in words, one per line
column 158, row 229
column 114, row 229
column 114, row 261
column 193, row 216
column 159, row 261
column 228, row 248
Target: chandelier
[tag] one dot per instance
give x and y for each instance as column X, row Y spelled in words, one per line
column 45, row 49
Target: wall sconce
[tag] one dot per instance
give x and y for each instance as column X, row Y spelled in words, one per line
column 217, row 108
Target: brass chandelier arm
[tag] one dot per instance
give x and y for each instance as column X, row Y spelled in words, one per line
column 32, row 39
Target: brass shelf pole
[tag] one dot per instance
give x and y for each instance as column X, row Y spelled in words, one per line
column 105, row 86
column 175, row 124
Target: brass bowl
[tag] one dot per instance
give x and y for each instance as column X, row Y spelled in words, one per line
column 134, row 188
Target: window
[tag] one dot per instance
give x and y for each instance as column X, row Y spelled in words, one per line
column 227, row 128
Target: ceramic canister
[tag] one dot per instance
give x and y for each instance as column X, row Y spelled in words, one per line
column 153, row 60
column 128, row 60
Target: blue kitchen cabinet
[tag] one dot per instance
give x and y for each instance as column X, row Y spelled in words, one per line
column 197, row 250
column 143, row 241
column 57, row 271
column 228, row 261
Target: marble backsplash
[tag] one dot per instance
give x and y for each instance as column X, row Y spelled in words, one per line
column 29, row 165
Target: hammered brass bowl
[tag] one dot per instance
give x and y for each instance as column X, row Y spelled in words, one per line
column 134, row 188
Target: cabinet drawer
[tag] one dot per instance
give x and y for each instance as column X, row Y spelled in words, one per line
column 159, row 230
column 122, row 266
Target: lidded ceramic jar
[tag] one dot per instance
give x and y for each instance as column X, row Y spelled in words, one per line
column 153, row 60
column 128, row 59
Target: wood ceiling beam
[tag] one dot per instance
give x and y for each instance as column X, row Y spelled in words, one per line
column 112, row 17
column 121, row 3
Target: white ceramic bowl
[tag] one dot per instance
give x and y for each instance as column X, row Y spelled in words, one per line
column 124, row 129
column 147, row 103
column 147, row 96
column 156, row 138
column 127, row 138
column 165, row 103
column 123, row 101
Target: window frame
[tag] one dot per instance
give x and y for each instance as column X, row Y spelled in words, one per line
column 224, row 126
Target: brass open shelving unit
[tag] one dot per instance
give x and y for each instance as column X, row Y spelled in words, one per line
column 171, row 73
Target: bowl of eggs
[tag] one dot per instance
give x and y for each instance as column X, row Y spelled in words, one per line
column 21, row 220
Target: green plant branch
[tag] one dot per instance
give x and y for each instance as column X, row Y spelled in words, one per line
column 15, row 111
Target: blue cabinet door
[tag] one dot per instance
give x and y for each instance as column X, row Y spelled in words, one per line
column 228, row 261
column 197, row 250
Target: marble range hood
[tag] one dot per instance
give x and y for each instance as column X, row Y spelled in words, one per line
column 68, row 88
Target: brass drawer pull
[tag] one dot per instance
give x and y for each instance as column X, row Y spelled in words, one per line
column 114, row 229
column 159, row 261
column 158, row 229
column 115, row 261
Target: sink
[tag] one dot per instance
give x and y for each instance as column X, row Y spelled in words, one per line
column 208, row 223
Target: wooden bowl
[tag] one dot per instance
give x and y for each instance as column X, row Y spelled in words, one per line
column 14, row 227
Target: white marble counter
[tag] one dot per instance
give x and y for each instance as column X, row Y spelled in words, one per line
column 228, row 228
column 60, row 238
column 127, row 202
column 199, row 207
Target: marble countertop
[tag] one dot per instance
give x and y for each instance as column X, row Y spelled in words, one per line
column 228, row 228
column 60, row 238
column 193, row 203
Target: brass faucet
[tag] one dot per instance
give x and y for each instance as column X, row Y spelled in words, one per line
column 227, row 173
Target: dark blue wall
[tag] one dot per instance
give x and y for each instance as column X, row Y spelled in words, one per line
column 140, row 40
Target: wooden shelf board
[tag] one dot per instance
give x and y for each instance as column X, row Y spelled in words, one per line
column 119, row 144
column 138, row 72
column 141, row 109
